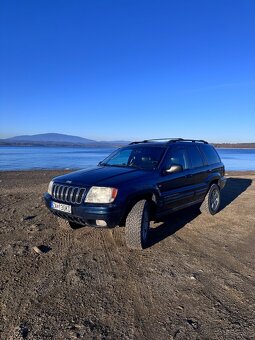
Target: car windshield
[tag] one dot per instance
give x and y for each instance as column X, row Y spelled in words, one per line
column 146, row 158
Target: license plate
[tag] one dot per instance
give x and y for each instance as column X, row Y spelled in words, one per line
column 62, row 207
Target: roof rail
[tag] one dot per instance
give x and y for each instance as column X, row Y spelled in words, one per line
column 170, row 140
column 157, row 139
column 195, row 140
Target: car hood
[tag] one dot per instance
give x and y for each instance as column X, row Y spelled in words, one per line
column 100, row 175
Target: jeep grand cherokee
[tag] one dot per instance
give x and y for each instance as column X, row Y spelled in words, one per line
column 139, row 183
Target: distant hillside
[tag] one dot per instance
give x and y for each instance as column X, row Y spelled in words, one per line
column 50, row 138
column 57, row 139
column 235, row 145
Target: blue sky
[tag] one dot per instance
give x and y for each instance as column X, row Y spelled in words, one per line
column 128, row 69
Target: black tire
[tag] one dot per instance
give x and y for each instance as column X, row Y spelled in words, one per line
column 74, row 225
column 137, row 225
column 211, row 203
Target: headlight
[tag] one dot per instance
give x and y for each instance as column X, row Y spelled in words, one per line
column 50, row 187
column 101, row 195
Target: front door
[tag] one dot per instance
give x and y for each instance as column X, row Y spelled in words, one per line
column 176, row 189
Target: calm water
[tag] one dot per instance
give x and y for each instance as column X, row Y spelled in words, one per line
column 24, row 158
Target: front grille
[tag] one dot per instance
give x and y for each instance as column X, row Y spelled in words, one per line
column 68, row 194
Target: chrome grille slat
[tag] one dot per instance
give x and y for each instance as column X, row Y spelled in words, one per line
column 57, row 192
column 71, row 195
column 54, row 191
column 64, row 192
column 60, row 192
column 77, row 195
column 68, row 194
column 80, row 195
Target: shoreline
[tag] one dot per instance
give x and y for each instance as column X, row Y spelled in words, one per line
column 113, row 146
column 227, row 172
column 233, row 148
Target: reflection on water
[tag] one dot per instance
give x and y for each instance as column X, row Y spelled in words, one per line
column 24, row 158
column 238, row 159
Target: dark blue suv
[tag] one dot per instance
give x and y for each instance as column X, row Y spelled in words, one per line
column 139, row 183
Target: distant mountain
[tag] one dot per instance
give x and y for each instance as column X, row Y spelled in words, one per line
column 50, row 138
column 58, row 139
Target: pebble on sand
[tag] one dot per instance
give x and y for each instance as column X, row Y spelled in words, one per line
column 37, row 250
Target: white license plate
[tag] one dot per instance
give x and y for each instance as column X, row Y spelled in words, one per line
column 62, row 207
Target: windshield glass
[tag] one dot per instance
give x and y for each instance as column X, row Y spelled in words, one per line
column 146, row 158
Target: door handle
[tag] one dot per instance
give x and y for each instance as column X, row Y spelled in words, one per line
column 189, row 176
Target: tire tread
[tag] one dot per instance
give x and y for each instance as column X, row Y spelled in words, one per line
column 133, row 226
column 204, row 208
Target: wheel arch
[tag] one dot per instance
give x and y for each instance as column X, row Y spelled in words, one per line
column 149, row 195
column 213, row 179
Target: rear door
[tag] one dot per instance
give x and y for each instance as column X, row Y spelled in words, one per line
column 199, row 172
column 176, row 188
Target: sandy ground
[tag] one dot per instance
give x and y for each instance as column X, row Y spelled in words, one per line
column 194, row 281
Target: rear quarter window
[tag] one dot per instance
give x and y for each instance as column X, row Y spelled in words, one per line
column 210, row 153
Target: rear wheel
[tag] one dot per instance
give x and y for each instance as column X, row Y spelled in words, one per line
column 211, row 203
column 138, row 225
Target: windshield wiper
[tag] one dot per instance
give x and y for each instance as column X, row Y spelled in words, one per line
column 122, row 165
column 135, row 166
column 114, row 165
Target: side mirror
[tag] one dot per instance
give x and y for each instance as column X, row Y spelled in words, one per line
column 174, row 168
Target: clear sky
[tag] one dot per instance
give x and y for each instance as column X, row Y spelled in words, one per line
column 128, row 69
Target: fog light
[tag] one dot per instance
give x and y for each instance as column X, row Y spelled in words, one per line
column 101, row 223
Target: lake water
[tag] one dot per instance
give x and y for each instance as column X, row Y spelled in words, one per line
column 26, row 158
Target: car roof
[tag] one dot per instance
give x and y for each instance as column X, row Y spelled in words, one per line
column 167, row 142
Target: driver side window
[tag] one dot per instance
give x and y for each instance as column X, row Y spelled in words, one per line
column 178, row 156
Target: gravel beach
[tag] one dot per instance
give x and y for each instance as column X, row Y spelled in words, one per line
column 195, row 280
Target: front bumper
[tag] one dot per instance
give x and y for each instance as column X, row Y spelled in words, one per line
column 87, row 213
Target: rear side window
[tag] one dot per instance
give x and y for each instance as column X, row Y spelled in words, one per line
column 210, row 154
column 195, row 157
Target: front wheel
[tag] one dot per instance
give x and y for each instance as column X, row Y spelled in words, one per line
column 138, row 225
column 211, row 203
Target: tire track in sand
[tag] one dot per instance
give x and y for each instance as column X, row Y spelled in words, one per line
column 36, row 287
column 140, row 306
